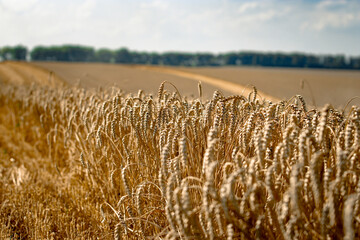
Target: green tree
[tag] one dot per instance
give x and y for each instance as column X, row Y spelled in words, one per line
column 231, row 58
column 71, row 53
column 154, row 59
column 204, row 59
column 104, row 55
column 6, row 53
column 79, row 53
column 18, row 52
column 123, row 55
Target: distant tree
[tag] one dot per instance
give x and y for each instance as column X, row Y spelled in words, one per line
column 355, row 63
column 140, row 57
column 313, row 62
column 154, row 59
column 298, row 60
column 71, row 53
column 170, row 58
column 123, row 55
column 247, row 58
column 41, row 53
column 204, row 59
column 6, row 53
column 77, row 53
column 18, row 52
column 177, row 59
column 231, row 58
column 337, row 61
column 104, row 55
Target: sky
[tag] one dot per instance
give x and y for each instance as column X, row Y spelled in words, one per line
column 216, row 26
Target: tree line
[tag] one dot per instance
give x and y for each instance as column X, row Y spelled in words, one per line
column 77, row 53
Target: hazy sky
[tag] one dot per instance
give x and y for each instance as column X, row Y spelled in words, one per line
column 325, row 26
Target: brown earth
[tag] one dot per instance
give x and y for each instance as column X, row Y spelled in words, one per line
column 27, row 73
column 317, row 86
column 221, row 84
column 131, row 78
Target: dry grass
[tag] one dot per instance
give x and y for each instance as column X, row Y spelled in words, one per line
column 80, row 164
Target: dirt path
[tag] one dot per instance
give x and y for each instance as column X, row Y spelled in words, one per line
column 217, row 82
column 27, row 73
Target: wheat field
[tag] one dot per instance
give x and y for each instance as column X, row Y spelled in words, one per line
column 102, row 164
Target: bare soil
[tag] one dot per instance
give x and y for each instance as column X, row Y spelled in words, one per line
column 127, row 77
column 27, row 73
column 318, row 87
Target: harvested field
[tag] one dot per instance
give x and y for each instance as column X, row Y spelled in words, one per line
column 128, row 78
column 318, row 87
column 22, row 73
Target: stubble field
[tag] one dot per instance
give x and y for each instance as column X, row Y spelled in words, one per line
column 318, row 87
column 176, row 161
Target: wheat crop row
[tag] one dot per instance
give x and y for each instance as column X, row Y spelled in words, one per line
column 102, row 164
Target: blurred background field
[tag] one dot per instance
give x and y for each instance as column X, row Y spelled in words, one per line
column 317, row 86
